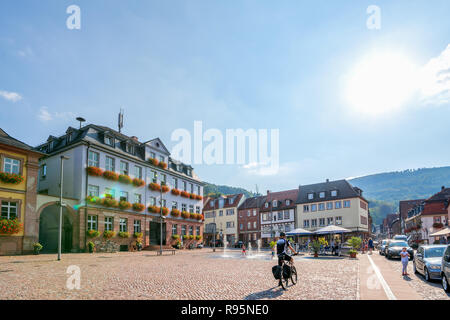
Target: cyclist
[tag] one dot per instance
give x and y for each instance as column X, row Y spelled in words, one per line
column 282, row 245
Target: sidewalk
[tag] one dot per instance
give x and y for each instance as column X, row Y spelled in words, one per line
column 379, row 281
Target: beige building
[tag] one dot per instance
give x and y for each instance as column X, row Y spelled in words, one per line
column 332, row 203
column 221, row 218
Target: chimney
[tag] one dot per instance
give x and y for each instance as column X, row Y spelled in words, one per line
column 135, row 138
column 442, row 188
column 268, row 191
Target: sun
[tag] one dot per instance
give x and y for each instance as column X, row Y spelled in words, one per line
column 381, row 83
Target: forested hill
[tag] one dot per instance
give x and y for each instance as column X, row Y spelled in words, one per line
column 212, row 189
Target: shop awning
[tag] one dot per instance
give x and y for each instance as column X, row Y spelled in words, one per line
column 299, row 232
column 443, row 232
column 331, row 230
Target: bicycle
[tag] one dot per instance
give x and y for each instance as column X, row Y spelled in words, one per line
column 283, row 282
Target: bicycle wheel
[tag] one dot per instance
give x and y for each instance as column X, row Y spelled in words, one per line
column 294, row 275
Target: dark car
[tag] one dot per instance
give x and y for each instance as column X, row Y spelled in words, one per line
column 445, row 270
column 238, row 244
column 395, row 246
column 428, row 261
column 383, row 246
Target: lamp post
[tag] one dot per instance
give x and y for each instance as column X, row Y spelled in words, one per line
column 214, row 240
column 160, row 215
column 61, row 179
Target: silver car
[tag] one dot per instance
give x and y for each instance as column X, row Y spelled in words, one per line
column 428, row 261
column 383, row 246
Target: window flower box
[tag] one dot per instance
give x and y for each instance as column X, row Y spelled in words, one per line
column 176, row 192
column 125, row 179
column 110, row 175
column 138, row 182
column 165, row 211
column 124, row 205
column 10, row 226
column 162, row 165
column 93, row 233
column 165, row 189
column 138, row 207
column 154, row 209
column 154, row 186
column 185, row 214
column 185, row 237
column 109, row 202
column 94, row 171
column 10, row 178
column 93, row 200
column 199, row 216
column 138, row 235
column 108, row 234
column 124, row 234
column 185, row 194
column 192, row 215
column 175, row 212
column 198, row 197
column 191, row 237
column 175, row 237
column 153, row 161
column 438, row 225
column 198, row 237
column 192, row 196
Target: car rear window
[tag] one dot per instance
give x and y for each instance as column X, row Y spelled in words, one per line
column 398, row 244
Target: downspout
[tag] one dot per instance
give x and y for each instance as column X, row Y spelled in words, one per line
column 85, row 195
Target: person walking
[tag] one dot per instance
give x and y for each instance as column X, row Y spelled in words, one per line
column 370, row 245
column 405, row 258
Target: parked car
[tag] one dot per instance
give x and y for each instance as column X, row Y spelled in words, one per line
column 445, row 270
column 401, row 237
column 395, row 246
column 428, row 261
column 383, row 246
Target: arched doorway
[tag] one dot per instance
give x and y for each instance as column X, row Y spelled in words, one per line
column 48, row 229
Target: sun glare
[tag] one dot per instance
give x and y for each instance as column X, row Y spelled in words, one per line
column 381, row 83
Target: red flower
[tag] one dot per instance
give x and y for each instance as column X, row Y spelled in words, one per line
column 154, row 186
column 165, row 189
column 94, row 171
column 110, row 175
column 138, row 182
column 176, row 192
column 162, row 165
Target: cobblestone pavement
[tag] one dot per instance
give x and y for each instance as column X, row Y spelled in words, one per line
column 427, row 290
column 198, row 274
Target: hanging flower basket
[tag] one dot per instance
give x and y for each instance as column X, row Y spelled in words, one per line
column 165, row 189
column 192, row 196
column 154, row 209
column 185, row 194
column 10, row 226
column 10, row 178
column 93, row 200
column 124, row 205
column 199, row 216
column 93, row 233
column 109, row 202
column 175, row 236
column 175, row 212
column 108, row 234
column 165, row 211
column 125, row 179
column 192, row 215
column 176, row 192
column 138, row 207
column 185, row 237
column 438, row 225
column 94, row 171
column 138, row 182
column 153, row 161
column 110, row 175
column 154, row 186
column 162, row 165
column 198, row 197
column 185, row 214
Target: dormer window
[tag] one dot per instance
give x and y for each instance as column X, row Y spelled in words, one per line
column 275, row 204
column 288, row 202
column 310, row 196
column 322, row 194
column 51, row 145
column 188, row 171
column 178, row 167
column 129, row 148
column 161, row 159
column 109, row 141
column 334, row 193
column 69, row 137
column 230, row 201
column 267, row 205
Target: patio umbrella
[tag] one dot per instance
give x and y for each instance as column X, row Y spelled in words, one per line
column 299, row 232
column 444, row 232
column 331, row 230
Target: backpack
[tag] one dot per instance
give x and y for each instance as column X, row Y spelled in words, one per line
column 276, row 270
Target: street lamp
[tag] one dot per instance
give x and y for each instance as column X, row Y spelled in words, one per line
column 61, row 204
column 214, row 241
column 160, row 215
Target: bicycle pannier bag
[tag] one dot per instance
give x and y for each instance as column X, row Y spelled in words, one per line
column 276, row 270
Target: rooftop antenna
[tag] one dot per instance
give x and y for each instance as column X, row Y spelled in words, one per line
column 120, row 120
column 81, row 120
column 257, row 193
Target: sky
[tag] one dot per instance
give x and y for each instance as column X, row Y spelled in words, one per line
column 351, row 91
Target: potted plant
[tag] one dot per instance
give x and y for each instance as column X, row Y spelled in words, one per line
column 110, row 175
column 138, row 207
column 125, row 179
column 165, row 189
column 10, row 226
column 108, row 234
column 154, row 186
column 124, row 205
column 138, row 235
column 175, row 212
column 94, row 171
column 37, row 247
column 162, row 165
column 153, row 161
column 355, row 243
column 138, row 182
column 93, row 233
column 11, row 178
column 123, row 234
column 91, row 246
column 138, row 245
column 176, row 192
column 315, row 245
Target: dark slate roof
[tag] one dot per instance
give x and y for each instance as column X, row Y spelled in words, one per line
column 343, row 187
column 252, row 203
column 213, row 203
column 406, row 205
column 10, row 141
column 281, row 197
column 442, row 195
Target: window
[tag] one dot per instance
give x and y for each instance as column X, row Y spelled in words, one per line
column 110, row 193
column 321, row 206
column 137, row 198
column 9, row 210
column 254, row 213
column 152, row 155
column 275, row 203
column 197, row 209
column 314, row 223
column 329, row 221
column 123, row 196
column 314, row 207
column 249, row 225
column 11, row 166
column 191, row 208
column 163, row 179
column 248, row 213
column 110, row 164
column 306, row 208
column 286, row 214
column 183, row 230
column 175, row 183
column 174, row 229
column 363, row 205
column 138, row 172
column 92, row 223
column 363, row 220
column 334, row 193
column 183, row 207
column 198, row 190
column 123, row 167
column 44, row 171
column 174, row 205
column 280, row 215
column 306, row 223
column 93, row 191
column 137, row 225
column 153, row 176
column 230, row 224
column 241, row 226
column 287, row 228
column 184, row 186
column 337, row 205
column 192, row 188
column 288, row 202
column 346, row 203
column 198, row 230
column 220, row 213
column 329, row 205
column 161, row 159
column 188, row 171
column 130, row 148
column 310, row 196
column 266, row 204
column 230, row 212
column 163, row 202
column 322, row 195
column 338, row 221
column 152, row 201
column 94, row 159
column 123, row 225
column 108, row 223
column 322, row 222
column 109, row 140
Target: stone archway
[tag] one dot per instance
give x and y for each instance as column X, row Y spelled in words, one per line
column 49, row 225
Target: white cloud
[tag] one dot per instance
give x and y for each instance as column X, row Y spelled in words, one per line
column 435, row 79
column 45, row 115
column 10, row 96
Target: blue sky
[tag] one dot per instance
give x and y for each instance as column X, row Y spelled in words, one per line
column 236, row 64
